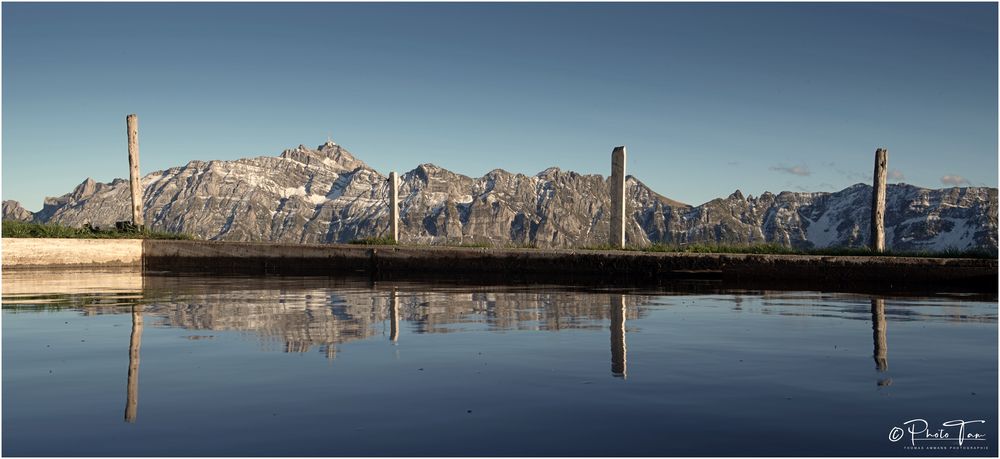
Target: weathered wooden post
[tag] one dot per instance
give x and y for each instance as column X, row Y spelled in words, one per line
column 879, row 351
column 132, row 387
column 394, row 206
column 618, row 347
column 618, row 198
column 393, row 317
column 132, row 126
column 878, row 200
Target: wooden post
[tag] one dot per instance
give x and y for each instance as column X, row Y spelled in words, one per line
column 618, row 347
column 878, row 200
column 132, row 388
column 879, row 351
column 618, row 198
column 394, row 206
column 132, row 127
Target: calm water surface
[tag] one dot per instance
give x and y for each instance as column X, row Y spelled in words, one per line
column 115, row 364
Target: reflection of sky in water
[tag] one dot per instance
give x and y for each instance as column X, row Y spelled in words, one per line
column 408, row 369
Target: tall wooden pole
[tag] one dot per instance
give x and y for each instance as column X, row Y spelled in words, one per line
column 878, row 200
column 618, row 198
column 132, row 125
column 394, row 206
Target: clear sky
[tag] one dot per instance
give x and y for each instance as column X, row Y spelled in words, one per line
column 707, row 97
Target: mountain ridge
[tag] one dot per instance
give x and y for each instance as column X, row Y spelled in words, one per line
column 327, row 194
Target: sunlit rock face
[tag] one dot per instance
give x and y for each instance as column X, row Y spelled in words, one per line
column 12, row 210
column 326, row 195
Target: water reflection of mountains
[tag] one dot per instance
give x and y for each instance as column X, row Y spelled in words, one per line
column 299, row 314
column 301, row 320
column 304, row 313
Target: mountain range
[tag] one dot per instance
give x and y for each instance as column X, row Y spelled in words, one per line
column 326, row 195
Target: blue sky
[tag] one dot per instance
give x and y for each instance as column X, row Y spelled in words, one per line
column 707, row 97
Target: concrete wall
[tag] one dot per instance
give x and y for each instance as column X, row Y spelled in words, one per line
column 256, row 258
column 522, row 266
column 39, row 252
column 582, row 267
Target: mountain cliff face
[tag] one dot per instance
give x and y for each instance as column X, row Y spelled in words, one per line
column 12, row 210
column 327, row 195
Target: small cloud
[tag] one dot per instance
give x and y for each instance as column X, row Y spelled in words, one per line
column 795, row 170
column 854, row 175
column 955, row 180
column 733, row 163
column 895, row 175
column 805, row 189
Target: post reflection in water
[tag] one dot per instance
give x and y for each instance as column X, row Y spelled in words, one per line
column 393, row 316
column 132, row 388
column 618, row 348
column 880, row 348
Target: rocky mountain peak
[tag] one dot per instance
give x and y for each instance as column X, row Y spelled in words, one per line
column 425, row 171
column 498, row 173
column 85, row 189
column 328, row 155
column 12, row 210
column 549, row 172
